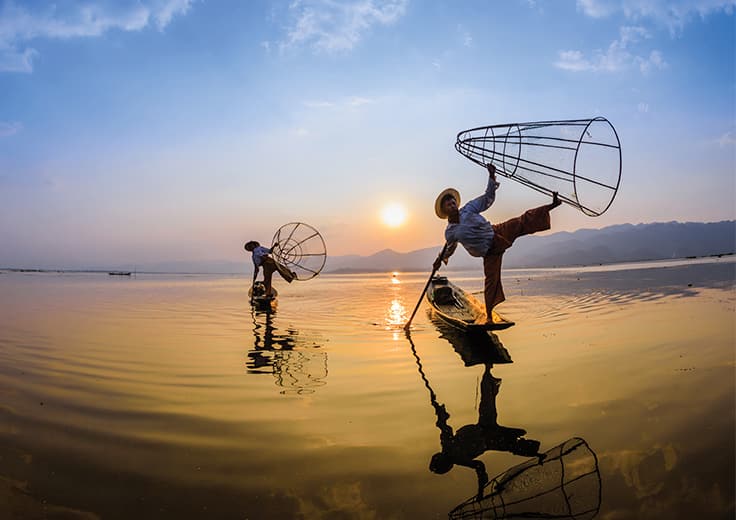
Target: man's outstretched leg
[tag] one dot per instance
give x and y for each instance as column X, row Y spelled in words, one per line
column 505, row 233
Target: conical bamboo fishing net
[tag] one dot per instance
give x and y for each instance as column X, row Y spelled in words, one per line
column 580, row 158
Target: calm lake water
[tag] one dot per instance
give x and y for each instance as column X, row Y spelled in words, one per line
column 169, row 397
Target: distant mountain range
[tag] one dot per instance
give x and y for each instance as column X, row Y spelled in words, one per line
column 614, row 244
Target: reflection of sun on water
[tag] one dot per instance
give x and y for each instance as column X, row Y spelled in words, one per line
column 395, row 279
column 396, row 317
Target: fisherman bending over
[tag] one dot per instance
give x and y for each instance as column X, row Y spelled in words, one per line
column 262, row 258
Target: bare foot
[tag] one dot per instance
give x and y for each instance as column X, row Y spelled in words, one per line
column 555, row 200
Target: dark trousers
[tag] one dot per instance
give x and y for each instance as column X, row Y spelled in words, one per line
column 505, row 233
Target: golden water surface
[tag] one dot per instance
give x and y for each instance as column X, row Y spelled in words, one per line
column 167, row 396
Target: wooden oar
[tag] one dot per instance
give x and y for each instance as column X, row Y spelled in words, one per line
column 408, row 323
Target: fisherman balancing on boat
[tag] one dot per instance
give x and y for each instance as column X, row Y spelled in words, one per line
column 262, row 258
column 481, row 238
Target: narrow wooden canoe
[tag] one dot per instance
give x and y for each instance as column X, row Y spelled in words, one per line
column 258, row 298
column 460, row 308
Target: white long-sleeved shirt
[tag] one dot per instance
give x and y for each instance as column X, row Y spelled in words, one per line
column 473, row 231
column 258, row 254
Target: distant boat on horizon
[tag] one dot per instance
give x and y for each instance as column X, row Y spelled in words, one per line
column 119, row 273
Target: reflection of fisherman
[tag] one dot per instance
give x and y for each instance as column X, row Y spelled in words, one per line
column 467, row 226
column 262, row 258
column 472, row 440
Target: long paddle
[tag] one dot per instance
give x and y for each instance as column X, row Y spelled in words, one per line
column 408, row 323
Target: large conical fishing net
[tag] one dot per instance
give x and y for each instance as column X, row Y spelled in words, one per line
column 580, row 159
column 300, row 248
column 563, row 483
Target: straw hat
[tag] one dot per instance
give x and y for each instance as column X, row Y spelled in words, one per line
column 438, row 203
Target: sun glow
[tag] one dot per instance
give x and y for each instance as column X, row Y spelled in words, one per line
column 393, row 215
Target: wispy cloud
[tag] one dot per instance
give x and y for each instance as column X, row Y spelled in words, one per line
column 727, row 139
column 672, row 14
column 359, row 101
column 348, row 102
column 319, row 104
column 653, row 61
column 465, row 36
column 333, row 27
column 598, row 8
column 8, row 128
column 616, row 57
column 20, row 24
column 643, row 107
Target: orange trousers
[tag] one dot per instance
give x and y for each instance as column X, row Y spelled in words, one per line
column 269, row 267
column 505, row 233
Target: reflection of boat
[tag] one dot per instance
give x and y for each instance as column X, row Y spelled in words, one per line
column 260, row 299
column 475, row 346
column 563, row 482
column 460, row 308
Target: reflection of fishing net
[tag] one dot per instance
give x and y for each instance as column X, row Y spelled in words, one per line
column 580, row 159
column 300, row 248
column 566, row 483
column 293, row 359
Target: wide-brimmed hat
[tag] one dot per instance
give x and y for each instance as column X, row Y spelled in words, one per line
column 438, row 203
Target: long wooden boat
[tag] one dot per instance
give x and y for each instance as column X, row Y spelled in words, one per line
column 258, row 297
column 460, row 308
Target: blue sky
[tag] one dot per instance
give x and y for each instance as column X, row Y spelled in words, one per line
column 158, row 130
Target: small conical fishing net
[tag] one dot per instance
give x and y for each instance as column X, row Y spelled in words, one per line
column 300, row 248
column 580, row 159
column 563, row 483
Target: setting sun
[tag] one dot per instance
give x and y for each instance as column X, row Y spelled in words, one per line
column 393, row 215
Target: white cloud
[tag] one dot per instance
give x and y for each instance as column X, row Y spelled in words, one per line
column 329, row 26
column 617, row 57
column 672, row 14
column 620, row 54
column 13, row 60
column 533, row 4
column 613, row 59
column 319, row 104
column 8, row 129
column 574, row 61
column 675, row 14
column 352, row 102
column 465, row 36
column 597, row 8
column 654, row 61
column 727, row 139
column 359, row 101
column 633, row 34
column 21, row 24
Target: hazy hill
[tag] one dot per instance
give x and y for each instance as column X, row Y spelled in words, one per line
column 621, row 243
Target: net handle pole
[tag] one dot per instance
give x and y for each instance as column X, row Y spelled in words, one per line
column 419, row 302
